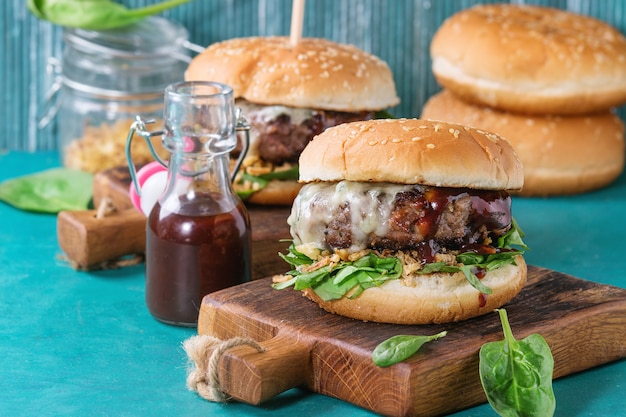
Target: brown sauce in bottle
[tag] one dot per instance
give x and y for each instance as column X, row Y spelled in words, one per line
column 191, row 256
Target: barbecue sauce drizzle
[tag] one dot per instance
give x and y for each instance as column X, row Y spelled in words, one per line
column 490, row 211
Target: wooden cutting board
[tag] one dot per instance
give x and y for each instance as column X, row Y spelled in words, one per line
column 583, row 322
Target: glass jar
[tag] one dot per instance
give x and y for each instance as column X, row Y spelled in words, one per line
column 106, row 79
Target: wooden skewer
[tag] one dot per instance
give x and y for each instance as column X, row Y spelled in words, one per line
column 297, row 17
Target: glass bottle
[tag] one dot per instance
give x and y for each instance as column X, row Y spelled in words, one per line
column 198, row 232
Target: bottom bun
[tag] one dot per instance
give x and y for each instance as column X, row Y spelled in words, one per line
column 276, row 192
column 560, row 154
column 432, row 298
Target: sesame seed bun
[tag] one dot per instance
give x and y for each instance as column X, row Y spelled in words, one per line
column 384, row 153
column 412, row 151
column 432, row 298
column 560, row 154
column 531, row 59
column 316, row 73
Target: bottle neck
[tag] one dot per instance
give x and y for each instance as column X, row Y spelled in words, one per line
column 199, row 183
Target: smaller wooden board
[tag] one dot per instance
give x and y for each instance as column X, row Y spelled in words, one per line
column 268, row 226
column 268, row 222
column 583, row 322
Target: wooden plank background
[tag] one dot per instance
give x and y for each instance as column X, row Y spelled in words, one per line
column 398, row 31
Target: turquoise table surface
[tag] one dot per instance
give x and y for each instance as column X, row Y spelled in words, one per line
column 83, row 343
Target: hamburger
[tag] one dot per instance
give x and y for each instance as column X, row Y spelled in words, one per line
column 561, row 154
column 289, row 94
column 406, row 221
column 531, row 59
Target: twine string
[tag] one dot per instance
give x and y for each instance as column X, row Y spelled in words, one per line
column 204, row 353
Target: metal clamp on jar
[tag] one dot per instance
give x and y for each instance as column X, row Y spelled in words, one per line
column 105, row 79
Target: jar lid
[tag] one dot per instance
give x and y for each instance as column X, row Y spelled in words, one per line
column 153, row 36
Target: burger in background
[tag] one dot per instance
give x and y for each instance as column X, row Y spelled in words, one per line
column 289, row 94
column 545, row 79
column 406, row 221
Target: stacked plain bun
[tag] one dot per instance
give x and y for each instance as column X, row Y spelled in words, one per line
column 316, row 73
column 545, row 79
column 531, row 59
column 412, row 151
column 561, row 154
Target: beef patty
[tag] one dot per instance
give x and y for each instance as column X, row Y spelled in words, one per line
column 410, row 217
column 281, row 140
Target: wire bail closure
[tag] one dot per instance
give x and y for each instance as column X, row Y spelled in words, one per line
column 139, row 127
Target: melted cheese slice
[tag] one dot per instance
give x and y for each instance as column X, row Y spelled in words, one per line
column 318, row 204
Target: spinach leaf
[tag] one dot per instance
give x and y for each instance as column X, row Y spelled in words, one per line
column 470, row 262
column 331, row 283
column 285, row 174
column 49, row 191
column 513, row 237
column 383, row 114
column 255, row 180
column 401, row 347
column 261, row 181
column 94, row 14
column 371, row 270
column 295, row 257
column 517, row 375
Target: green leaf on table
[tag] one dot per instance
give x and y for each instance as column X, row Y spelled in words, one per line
column 400, row 347
column 94, row 14
column 49, row 191
column 517, row 375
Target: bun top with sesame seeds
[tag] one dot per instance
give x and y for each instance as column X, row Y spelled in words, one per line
column 531, row 59
column 412, row 151
column 316, row 73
